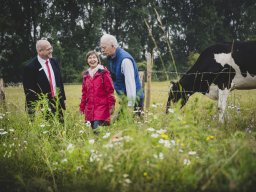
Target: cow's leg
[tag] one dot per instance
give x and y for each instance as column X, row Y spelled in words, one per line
column 222, row 103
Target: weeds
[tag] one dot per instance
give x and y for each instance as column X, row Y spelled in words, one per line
column 186, row 150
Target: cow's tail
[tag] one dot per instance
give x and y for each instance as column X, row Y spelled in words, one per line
column 168, row 102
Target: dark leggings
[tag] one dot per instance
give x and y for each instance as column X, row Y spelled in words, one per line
column 96, row 123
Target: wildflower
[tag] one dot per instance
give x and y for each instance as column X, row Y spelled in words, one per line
column 127, row 181
column 125, row 175
column 161, row 131
column 173, row 142
column 88, row 124
column 91, row 141
column 154, row 106
column 95, row 156
column 11, row 130
column 42, row 125
column 150, row 129
column 128, row 138
column 164, row 136
column 145, row 174
column 79, row 168
column 64, row 160
column 3, row 132
column 155, row 135
column 186, row 162
column 210, row 138
column 109, row 145
column 192, row 152
column 170, row 110
column 70, row 147
column 166, row 143
column 159, row 156
column 106, row 135
column 109, row 168
column 81, row 131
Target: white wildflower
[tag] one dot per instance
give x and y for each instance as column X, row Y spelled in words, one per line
column 161, row 131
column 64, row 160
column 70, row 147
column 42, row 125
column 154, row 106
column 155, row 135
column 173, row 142
column 150, row 129
column 192, row 152
column 95, row 156
column 159, row 156
column 3, row 132
column 127, row 181
column 106, row 135
column 11, row 130
column 166, row 143
column 109, row 145
column 88, row 124
column 171, row 110
column 109, row 168
column 128, row 138
column 91, row 141
column 186, row 162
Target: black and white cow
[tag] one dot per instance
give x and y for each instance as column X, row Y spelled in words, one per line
column 219, row 69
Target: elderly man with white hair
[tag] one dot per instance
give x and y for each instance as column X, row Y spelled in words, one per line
column 124, row 71
column 42, row 76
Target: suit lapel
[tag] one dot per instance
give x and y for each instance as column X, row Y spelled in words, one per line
column 41, row 72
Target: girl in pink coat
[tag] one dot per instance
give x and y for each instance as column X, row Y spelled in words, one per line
column 98, row 100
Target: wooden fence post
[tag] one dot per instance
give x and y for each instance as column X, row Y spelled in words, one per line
column 142, row 79
column 149, row 71
column 2, row 94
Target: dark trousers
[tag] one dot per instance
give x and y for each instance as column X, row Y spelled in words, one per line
column 95, row 124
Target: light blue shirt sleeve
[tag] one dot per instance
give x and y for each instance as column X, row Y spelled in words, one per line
column 130, row 85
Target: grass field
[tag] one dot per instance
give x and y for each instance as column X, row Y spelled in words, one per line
column 186, row 150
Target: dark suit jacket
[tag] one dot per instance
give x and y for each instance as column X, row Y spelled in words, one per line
column 35, row 82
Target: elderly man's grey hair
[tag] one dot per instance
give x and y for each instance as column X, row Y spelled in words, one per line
column 109, row 39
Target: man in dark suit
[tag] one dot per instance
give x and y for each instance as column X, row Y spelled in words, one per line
column 42, row 77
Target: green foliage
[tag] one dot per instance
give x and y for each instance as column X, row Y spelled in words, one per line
column 75, row 27
column 192, row 57
column 185, row 150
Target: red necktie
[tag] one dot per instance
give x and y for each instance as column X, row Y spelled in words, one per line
column 50, row 78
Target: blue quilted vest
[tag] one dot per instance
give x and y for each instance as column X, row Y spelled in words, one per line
column 118, row 76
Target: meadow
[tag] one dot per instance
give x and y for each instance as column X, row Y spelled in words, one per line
column 185, row 150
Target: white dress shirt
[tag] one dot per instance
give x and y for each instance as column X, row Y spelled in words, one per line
column 44, row 67
column 128, row 70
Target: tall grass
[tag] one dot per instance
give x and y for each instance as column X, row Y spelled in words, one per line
column 186, row 150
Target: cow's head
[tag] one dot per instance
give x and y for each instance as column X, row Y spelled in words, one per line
column 177, row 93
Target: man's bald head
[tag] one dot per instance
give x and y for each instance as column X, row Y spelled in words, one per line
column 44, row 49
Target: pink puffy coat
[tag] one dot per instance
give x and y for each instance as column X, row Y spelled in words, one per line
column 98, row 98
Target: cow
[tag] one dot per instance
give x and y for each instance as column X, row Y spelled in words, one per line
column 219, row 69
